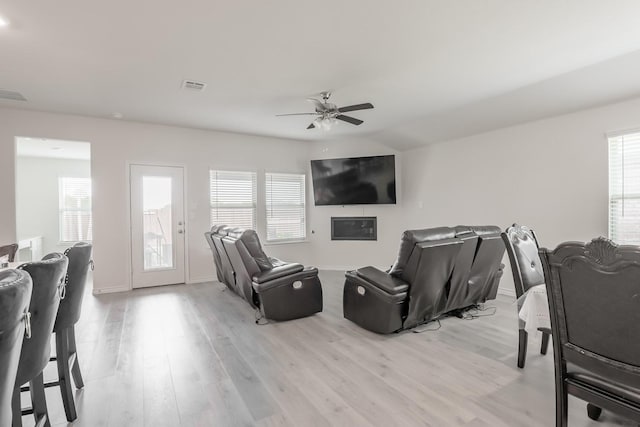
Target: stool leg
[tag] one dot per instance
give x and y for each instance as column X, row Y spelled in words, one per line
column 38, row 400
column 522, row 347
column 16, row 409
column 75, row 368
column 62, row 360
column 545, row 342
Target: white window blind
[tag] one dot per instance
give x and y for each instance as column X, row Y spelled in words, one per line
column 624, row 188
column 285, row 204
column 233, row 198
column 75, row 209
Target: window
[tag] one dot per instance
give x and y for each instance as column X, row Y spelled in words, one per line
column 624, row 188
column 285, row 200
column 233, row 198
column 75, row 209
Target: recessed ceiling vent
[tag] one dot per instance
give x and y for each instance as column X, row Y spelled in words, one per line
column 11, row 95
column 193, row 85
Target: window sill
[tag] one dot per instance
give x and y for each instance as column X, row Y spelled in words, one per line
column 285, row 242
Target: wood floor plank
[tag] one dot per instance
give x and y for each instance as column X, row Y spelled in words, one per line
column 192, row 355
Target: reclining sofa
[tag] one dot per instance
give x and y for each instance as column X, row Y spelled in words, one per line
column 280, row 290
column 438, row 270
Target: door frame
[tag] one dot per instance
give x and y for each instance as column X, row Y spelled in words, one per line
column 128, row 164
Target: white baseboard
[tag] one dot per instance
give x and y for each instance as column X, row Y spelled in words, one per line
column 195, row 280
column 111, row 290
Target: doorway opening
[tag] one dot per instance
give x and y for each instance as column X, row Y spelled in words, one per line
column 53, row 196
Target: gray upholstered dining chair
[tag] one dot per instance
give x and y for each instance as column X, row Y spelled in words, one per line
column 594, row 299
column 522, row 248
column 48, row 283
column 15, row 294
column 79, row 256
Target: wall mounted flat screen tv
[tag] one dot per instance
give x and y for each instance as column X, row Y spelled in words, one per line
column 354, row 181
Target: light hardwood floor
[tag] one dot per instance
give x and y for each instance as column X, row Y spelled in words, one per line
column 192, row 355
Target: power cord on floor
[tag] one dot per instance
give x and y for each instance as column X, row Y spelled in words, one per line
column 473, row 312
column 424, row 327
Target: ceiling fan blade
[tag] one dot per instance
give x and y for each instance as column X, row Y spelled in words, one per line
column 364, row 106
column 296, row 114
column 318, row 104
column 311, row 126
column 349, row 119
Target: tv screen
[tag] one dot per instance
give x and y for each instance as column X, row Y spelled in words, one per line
column 354, row 181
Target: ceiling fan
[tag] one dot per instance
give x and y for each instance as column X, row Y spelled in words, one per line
column 327, row 114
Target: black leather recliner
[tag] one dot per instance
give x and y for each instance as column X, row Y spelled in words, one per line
column 281, row 290
column 438, row 270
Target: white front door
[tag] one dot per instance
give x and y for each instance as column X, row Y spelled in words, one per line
column 157, row 225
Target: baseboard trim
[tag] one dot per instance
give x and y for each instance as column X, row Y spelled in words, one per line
column 113, row 290
column 193, row 281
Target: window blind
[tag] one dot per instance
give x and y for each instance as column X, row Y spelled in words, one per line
column 75, row 209
column 285, row 205
column 233, row 198
column 624, row 188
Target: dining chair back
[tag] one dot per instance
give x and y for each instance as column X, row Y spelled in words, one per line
column 594, row 300
column 522, row 248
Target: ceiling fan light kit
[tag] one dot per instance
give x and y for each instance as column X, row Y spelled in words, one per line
column 328, row 114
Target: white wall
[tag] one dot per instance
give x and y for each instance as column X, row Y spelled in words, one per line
column 344, row 255
column 37, row 203
column 551, row 175
column 116, row 143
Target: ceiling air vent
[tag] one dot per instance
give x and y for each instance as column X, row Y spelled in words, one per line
column 13, row 96
column 193, row 85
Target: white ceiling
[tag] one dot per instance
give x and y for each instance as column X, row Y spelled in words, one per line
column 433, row 69
column 52, row 148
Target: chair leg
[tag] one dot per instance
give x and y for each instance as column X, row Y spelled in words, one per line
column 522, row 347
column 75, row 368
column 561, row 406
column 64, row 376
column 545, row 342
column 16, row 409
column 39, row 401
column 593, row 411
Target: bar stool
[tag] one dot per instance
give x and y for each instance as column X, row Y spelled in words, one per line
column 68, row 315
column 9, row 251
column 48, row 283
column 15, row 294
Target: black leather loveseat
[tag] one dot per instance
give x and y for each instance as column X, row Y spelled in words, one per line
column 281, row 290
column 438, row 270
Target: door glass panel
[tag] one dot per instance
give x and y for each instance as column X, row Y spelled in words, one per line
column 157, row 224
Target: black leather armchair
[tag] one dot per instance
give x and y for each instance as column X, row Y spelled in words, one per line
column 280, row 290
column 15, row 294
column 594, row 303
column 438, row 270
